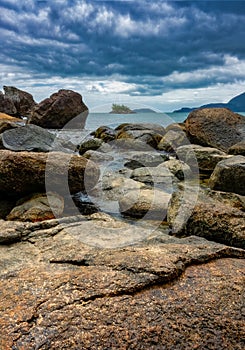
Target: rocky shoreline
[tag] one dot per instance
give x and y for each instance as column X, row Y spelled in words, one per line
column 132, row 239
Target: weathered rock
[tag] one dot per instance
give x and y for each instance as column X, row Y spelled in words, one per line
column 28, row 138
column 206, row 157
column 105, row 133
column 171, row 140
column 38, row 208
column 147, row 203
column 150, row 134
column 6, row 105
column 63, row 108
column 132, row 145
column 158, row 129
column 90, row 144
column 61, row 286
column 22, row 100
column 238, row 148
column 111, row 189
column 154, row 175
column 29, row 172
column 97, row 157
column 146, row 159
column 147, row 136
column 229, row 175
column 179, row 169
column 213, row 216
column 219, row 223
column 176, row 127
column 215, row 127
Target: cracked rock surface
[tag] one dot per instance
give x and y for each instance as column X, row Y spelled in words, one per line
column 100, row 283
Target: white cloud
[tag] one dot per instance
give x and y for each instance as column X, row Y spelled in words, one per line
column 233, row 68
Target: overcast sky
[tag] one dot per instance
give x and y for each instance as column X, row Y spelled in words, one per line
column 162, row 54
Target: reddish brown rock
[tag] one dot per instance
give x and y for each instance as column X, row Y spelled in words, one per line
column 38, row 207
column 58, row 293
column 215, row 127
column 6, row 105
column 30, row 172
column 22, row 100
column 61, row 108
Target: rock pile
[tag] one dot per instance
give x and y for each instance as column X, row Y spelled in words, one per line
column 99, row 241
column 61, row 108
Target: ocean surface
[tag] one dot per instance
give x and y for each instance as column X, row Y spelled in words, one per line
column 95, row 120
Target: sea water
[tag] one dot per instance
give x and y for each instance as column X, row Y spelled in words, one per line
column 95, row 120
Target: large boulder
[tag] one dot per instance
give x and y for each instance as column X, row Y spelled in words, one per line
column 215, row 127
column 160, row 176
column 90, row 144
column 37, row 208
column 61, row 108
column 149, row 134
column 31, row 172
column 172, row 139
column 159, row 129
column 144, row 159
column 148, row 203
column 6, row 105
column 229, row 175
column 213, row 215
column 22, row 100
column 206, row 157
column 32, row 138
column 105, row 133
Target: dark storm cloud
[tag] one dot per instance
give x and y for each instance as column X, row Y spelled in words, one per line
column 154, row 45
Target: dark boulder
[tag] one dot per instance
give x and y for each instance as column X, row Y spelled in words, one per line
column 22, row 100
column 215, row 127
column 63, row 108
column 32, row 138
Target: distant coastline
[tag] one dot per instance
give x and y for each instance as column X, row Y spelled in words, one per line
column 236, row 104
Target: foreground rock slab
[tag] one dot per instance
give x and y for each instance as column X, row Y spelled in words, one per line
column 58, row 292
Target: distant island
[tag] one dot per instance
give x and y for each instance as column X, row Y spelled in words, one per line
column 121, row 109
column 144, row 110
column 236, row 104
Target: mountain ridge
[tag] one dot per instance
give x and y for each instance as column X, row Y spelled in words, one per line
column 236, row 104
